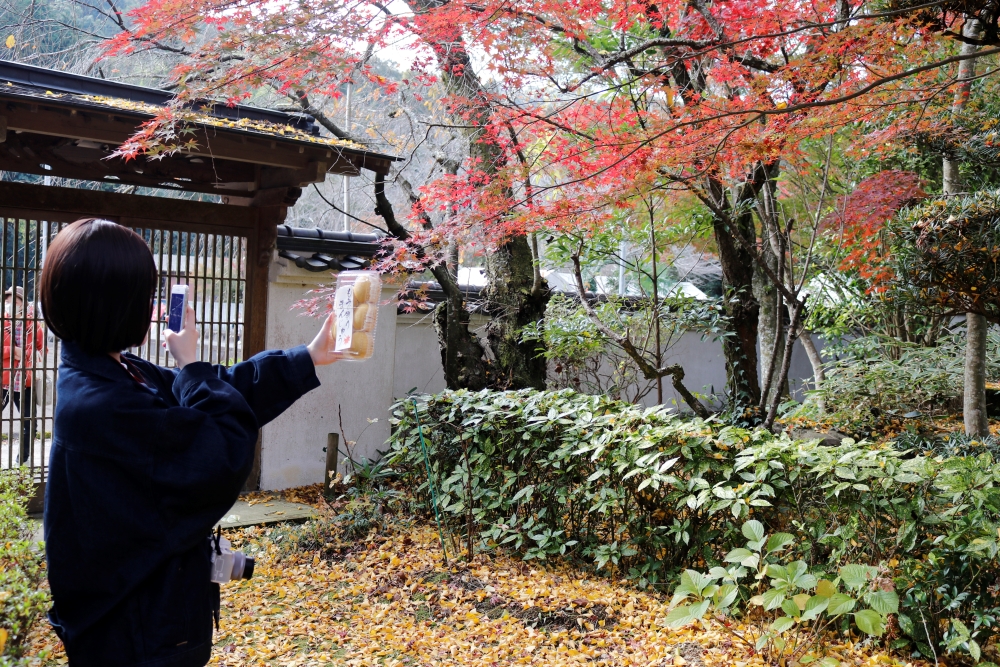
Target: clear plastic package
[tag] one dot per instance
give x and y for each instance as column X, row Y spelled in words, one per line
column 355, row 314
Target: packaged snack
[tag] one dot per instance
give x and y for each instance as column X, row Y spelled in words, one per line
column 355, row 314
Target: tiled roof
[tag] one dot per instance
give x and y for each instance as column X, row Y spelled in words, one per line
column 325, row 250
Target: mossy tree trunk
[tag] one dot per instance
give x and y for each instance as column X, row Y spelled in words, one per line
column 515, row 301
column 735, row 234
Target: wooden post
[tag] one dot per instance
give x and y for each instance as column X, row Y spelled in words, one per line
column 332, row 459
column 269, row 208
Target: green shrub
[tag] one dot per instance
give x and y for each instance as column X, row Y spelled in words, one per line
column 552, row 473
column 649, row 494
column 881, row 379
column 584, row 359
column 947, row 444
column 797, row 606
column 23, row 598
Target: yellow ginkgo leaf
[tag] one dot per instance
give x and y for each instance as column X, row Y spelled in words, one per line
column 10, row 41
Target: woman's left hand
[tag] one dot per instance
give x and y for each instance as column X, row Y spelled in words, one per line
column 320, row 349
column 183, row 345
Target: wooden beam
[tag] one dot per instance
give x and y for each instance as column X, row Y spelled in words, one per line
column 45, row 155
column 60, row 204
column 115, row 127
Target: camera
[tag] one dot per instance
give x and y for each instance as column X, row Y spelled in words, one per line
column 228, row 565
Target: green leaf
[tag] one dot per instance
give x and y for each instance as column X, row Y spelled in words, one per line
column 906, row 625
column 855, row 576
column 680, row 616
column 778, row 541
column 816, row 605
column 738, row 555
column 753, row 530
column 694, row 582
column 801, row 600
column 694, row 611
column 772, row 599
column 884, row 602
column 790, row 608
column 783, row 624
column 840, row 604
column 960, row 628
column 906, row 538
column 726, row 595
column 869, row 622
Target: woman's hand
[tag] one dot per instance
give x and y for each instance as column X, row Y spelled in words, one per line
column 320, row 349
column 183, row 345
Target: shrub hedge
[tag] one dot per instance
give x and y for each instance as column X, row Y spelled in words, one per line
column 23, row 597
column 649, row 493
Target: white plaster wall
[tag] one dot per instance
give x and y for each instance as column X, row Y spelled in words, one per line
column 292, row 446
column 418, row 362
column 705, row 368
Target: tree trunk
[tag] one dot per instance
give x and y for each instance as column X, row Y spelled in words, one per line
column 514, row 297
column 742, row 309
column 463, row 357
column 769, row 321
column 977, row 423
column 513, row 305
column 462, row 354
column 974, row 394
column 816, row 361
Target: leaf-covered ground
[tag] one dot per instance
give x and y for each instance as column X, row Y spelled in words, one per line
column 388, row 600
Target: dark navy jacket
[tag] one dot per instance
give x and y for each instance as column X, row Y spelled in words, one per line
column 138, row 476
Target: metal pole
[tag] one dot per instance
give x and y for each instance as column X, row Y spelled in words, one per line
column 347, row 191
column 621, row 267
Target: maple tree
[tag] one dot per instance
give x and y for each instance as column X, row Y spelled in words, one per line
column 575, row 111
column 860, row 218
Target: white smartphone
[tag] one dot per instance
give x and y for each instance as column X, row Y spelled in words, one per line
column 178, row 304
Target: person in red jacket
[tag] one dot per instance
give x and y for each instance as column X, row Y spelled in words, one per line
column 23, row 341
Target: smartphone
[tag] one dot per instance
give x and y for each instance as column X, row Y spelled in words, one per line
column 178, row 303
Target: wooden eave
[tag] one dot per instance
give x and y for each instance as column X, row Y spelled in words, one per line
column 68, row 136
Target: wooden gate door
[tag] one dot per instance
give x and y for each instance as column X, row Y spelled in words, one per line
column 215, row 256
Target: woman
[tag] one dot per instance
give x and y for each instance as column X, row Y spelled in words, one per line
column 145, row 460
column 19, row 352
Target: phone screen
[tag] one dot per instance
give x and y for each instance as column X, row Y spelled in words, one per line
column 178, row 302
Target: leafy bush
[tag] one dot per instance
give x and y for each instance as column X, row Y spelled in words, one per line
column 880, row 380
column 649, row 494
column 799, row 605
column 23, row 599
column 945, row 252
column 560, row 472
column 582, row 358
column 947, row 445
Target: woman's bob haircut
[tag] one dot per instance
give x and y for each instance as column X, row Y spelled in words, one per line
column 97, row 286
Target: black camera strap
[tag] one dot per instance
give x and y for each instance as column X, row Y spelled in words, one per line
column 215, row 539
